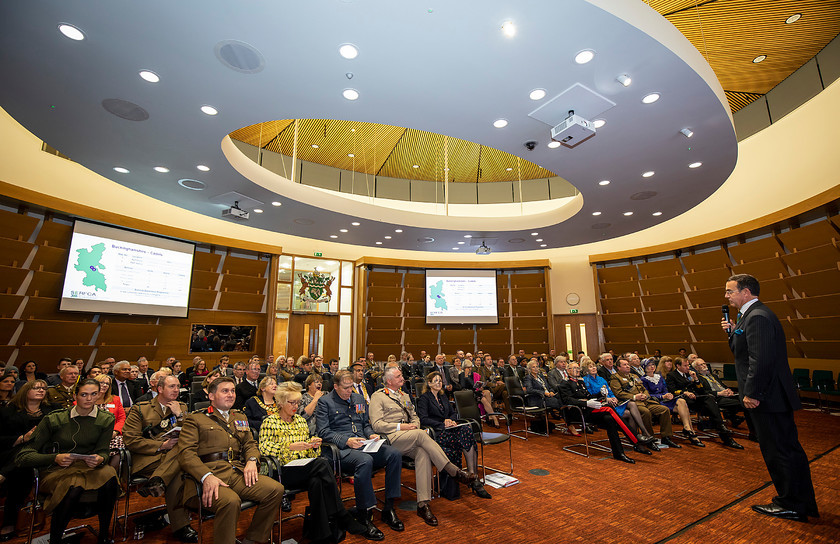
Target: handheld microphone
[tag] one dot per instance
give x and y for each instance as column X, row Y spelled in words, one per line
column 725, row 310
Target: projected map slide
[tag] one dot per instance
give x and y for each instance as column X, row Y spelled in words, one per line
column 455, row 296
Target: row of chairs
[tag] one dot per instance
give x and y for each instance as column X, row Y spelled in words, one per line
column 822, row 383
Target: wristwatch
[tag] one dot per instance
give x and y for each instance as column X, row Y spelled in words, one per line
column 254, row 459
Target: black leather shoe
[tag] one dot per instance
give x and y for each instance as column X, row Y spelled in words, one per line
column 426, row 515
column 640, row 448
column 736, row 420
column 666, row 440
column 777, row 511
column 694, row 441
column 350, row 524
column 186, row 534
column 622, row 457
column 729, row 443
column 478, row 488
column 651, row 444
column 154, row 487
column 286, row 505
column 390, row 518
column 466, row 478
column 370, row 532
column 591, row 429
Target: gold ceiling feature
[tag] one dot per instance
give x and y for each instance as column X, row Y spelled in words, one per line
column 731, row 33
column 385, row 150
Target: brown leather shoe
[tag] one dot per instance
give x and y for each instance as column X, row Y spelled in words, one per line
column 466, row 478
column 426, row 515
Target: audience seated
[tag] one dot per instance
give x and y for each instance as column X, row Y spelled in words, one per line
column 606, row 366
column 598, row 388
column 309, row 401
column 537, row 391
column 628, row 386
column 249, row 386
column 55, row 379
column 658, row 390
column 513, row 368
column 558, row 374
column 202, row 395
column 305, row 365
column 261, row 405
column 62, row 394
column 109, row 402
column 494, row 382
column 122, row 386
column 727, row 400
column 360, row 385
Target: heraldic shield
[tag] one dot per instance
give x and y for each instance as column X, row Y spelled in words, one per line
column 315, row 287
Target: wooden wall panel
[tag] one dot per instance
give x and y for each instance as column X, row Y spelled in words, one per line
column 17, row 226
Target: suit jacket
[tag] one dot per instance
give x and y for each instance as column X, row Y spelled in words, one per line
column 519, row 372
column 143, row 432
column 388, row 409
column 758, row 343
column 133, row 389
column 533, row 389
column 555, row 378
column 53, row 379
column 145, row 397
column 604, row 373
column 432, row 413
column 338, row 420
column 244, row 391
column 679, row 384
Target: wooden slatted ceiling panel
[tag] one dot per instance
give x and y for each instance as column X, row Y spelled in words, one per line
column 738, row 100
column 261, row 133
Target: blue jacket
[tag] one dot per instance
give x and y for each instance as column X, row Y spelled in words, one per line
column 339, row 420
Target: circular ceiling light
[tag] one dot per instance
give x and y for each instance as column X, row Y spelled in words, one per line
column 161, row 169
column 500, row 123
column 628, row 214
column 387, row 237
column 553, row 145
column 537, row 94
column 192, row 184
column 397, row 230
column 509, row 29
column 508, row 169
column 276, row 203
column 648, row 174
column 695, row 165
column 759, row 58
column 584, row 56
column 348, row 51
column 543, row 245
column 342, row 230
column 604, row 182
column 468, row 236
column 71, row 32
column 596, row 213
column 203, row 168
column 209, row 110
column 258, row 210
column 379, row 243
column 650, row 98
column 598, row 123
column 461, row 243
column 149, row 76
column 121, row 170
column 539, row 240
column 333, row 236
column 456, row 248
column 535, row 234
column 793, row 18
column 350, row 94
column 657, row 214
column 355, row 223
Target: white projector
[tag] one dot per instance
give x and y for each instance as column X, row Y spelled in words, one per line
column 573, row 130
column 235, row 213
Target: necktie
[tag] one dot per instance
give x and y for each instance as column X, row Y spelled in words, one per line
column 124, row 396
column 738, row 317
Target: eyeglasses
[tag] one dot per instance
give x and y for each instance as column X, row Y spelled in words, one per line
column 293, row 402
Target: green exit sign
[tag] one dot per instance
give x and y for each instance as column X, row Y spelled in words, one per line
column 573, row 311
column 319, row 254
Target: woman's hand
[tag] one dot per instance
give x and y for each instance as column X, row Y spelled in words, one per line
column 300, row 446
column 449, row 423
column 63, row 460
column 668, row 396
column 612, row 401
column 94, row 461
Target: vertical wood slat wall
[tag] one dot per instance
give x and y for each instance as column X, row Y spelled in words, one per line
column 395, row 316
column 675, row 302
column 33, row 255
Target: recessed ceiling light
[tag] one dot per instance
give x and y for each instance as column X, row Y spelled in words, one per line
column 650, row 98
column 543, row 245
column 596, row 213
column 315, row 146
column 598, row 123
column 415, row 166
column 624, row 79
column 508, row 169
column 657, row 214
column 348, row 51
column 539, row 240
column 209, row 110
column 397, row 230
column 793, row 18
column 379, row 243
column 468, row 236
column 695, row 165
column 604, row 182
column 149, row 76
column 535, row 234
column 461, row 243
column 759, row 58
column 333, row 236
column 351, row 155
column 258, row 210
column 350, row 94
column 202, row 167
column 342, row 230
column 500, row 123
column 276, row 203
column 648, row 174
column 161, row 169
column 509, row 29
column 121, row 170
column 628, row 214
column 553, row 145
column 71, row 32
column 355, row 223
column 687, row 132
column 456, row 248
column 387, row 237
column 584, row 56
column 537, row 94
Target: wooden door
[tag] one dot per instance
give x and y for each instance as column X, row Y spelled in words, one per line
column 313, row 333
column 580, row 327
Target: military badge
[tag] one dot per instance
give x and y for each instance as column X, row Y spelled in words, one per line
column 164, row 423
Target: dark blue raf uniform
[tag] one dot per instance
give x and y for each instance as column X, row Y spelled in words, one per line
column 338, row 421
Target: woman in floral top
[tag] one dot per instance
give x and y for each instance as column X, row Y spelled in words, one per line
column 285, row 435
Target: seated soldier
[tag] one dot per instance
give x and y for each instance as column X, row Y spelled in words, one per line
column 628, row 386
column 392, row 413
column 217, row 448
column 63, row 394
column 152, row 454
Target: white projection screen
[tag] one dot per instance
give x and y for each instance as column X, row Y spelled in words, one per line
column 116, row 271
column 461, row 296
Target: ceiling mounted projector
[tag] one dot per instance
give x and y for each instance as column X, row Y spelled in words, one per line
column 235, row 212
column 573, row 130
column 483, row 250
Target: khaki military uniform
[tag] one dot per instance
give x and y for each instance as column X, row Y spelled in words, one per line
column 58, row 394
column 209, row 444
column 143, row 433
column 625, row 387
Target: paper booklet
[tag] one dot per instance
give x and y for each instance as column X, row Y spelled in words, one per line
column 499, row 480
column 299, row 462
column 372, row 446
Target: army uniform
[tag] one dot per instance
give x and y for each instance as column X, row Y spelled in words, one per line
column 625, row 387
column 143, row 433
column 58, row 394
column 209, row 444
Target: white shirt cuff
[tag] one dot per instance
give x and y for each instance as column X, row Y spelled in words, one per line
column 205, row 476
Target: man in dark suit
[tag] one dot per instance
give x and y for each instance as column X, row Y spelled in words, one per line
column 727, row 400
column 360, row 386
column 766, row 388
column 248, row 387
column 55, row 379
column 327, row 377
column 143, row 375
column 558, row 374
column 124, row 387
column 513, row 368
column 606, row 366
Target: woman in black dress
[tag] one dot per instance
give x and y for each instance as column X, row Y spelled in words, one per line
column 434, row 411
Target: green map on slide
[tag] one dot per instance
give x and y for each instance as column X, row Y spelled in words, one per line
column 436, row 294
column 88, row 262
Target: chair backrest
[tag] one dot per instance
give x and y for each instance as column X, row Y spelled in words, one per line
column 729, row 372
column 467, row 407
column 824, row 378
column 195, row 387
column 418, row 389
column 801, row 377
column 514, row 387
column 201, row 405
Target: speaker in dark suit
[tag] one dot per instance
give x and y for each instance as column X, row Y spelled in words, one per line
column 766, row 388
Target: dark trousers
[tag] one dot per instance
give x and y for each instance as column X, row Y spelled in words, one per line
column 786, row 461
column 706, row 405
column 731, row 406
column 18, row 485
column 363, row 464
column 318, row 480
